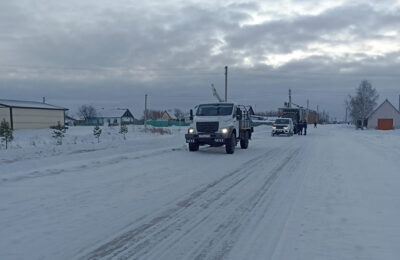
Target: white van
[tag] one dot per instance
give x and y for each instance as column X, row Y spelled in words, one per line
column 282, row 126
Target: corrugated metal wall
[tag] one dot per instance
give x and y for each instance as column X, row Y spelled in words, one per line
column 24, row 118
column 4, row 114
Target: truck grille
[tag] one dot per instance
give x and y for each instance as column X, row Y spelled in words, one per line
column 207, row 127
column 279, row 127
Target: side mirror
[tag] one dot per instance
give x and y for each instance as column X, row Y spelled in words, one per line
column 191, row 115
column 238, row 114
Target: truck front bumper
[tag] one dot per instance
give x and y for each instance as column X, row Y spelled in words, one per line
column 210, row 139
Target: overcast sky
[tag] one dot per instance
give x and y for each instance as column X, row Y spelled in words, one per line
column 111, row 53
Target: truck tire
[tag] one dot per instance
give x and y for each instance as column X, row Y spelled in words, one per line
column 244, row 141
column 231, row 144
column 193, row 147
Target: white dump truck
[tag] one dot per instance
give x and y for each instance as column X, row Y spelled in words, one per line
column 218, row 124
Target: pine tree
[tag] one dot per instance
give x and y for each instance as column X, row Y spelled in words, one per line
column 6, row 133
column 97, row 132
column 123, row 130
column 58, row 133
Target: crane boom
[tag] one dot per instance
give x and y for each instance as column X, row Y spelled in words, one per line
column 215, row 93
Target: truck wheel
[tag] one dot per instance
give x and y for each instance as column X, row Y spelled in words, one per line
column 244, row 142
column 231, row 144
column 193, row 147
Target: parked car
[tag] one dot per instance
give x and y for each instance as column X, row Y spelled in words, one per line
column 282, row 126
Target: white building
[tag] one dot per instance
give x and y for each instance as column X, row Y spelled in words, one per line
column 385, row 117
column 116, row 116
column 30, row 114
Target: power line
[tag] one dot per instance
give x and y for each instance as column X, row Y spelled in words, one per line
column 188, row 72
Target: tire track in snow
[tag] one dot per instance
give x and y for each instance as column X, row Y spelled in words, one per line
column 220, row 197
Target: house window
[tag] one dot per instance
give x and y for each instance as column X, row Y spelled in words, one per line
column 115, row 121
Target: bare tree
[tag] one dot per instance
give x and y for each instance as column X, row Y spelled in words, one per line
column 364, row 102
column 87, row 111
column 323, row 117
column 179, row 114
column 153, row 114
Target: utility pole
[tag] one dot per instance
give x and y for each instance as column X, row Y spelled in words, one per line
column 226, row 83
column 317, row 113
column 290, row 98
column 399, row 102
column 145, row 111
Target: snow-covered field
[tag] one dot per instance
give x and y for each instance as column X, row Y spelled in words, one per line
column 333, row 194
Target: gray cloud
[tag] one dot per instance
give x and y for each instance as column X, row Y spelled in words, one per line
column 115, row 52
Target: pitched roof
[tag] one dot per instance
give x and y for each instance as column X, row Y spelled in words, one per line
column 386, row 101
column 168, row 115
column 70, row 118
column 29, row 104
column 113, row 113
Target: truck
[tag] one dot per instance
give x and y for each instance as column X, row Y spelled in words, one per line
column 298, row 115
column 218, row 124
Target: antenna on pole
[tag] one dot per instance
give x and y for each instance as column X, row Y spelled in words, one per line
column 215, row 93
column 290, row 98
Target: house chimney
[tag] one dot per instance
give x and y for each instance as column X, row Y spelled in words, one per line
column 44, row 100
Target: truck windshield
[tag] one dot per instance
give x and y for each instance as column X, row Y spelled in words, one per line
column 215, row 110
column 281, row 121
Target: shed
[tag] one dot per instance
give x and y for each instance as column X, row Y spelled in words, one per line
column 385, row 117
column 166, row 116
column 70, row 121
column 30, row 114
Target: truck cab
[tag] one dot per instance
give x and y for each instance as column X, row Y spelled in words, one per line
column 218, row 124
column 297, row 115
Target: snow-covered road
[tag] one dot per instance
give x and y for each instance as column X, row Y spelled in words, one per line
column 333, row 194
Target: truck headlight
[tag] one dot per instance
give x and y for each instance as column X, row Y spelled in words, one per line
column 286, row 128
column 273, row 127
column 191, row 131
column 225, row 130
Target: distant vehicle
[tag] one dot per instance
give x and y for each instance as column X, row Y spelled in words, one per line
column 298, row 115
column 219, row 124
column 282, row 126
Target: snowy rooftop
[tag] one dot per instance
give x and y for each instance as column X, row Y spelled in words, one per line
column 28, row 104
column 114, row 113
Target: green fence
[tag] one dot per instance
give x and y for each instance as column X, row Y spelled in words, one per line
column 165, row 123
